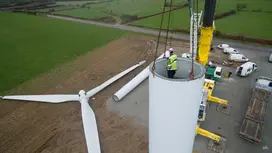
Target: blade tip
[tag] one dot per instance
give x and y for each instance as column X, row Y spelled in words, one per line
column 142, row 62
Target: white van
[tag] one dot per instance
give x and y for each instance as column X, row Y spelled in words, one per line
column 230, row 50
column 270, row 58
column 246, row 69
column 222, row 46
column 237, row 58
column 186, row 55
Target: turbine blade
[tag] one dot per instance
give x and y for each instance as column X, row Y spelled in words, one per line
column 43, row 98
column 113, row 79
column 90, row 127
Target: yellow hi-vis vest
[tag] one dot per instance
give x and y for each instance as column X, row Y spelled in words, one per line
column 172, row 62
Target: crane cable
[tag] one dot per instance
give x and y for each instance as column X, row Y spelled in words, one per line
column 158, row 39
column 168, row 24
column 171, row 25
column 217, row 7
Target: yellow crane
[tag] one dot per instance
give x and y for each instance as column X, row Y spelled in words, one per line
column 206, row 36
column 206, row 32
column 207, row 28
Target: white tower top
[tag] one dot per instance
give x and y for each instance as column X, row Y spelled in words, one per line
column 174, row 106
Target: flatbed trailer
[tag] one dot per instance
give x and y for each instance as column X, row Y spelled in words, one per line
column 251, row 131
column 257, row 106
column 252, row 126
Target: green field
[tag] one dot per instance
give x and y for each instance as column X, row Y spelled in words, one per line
column 73, row 2
column 179, row 19
column 56, row 8
column 253, row 24
column 84, row 13
column 31, row 45
column 128, row 7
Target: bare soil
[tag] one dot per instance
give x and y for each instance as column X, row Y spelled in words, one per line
column 33, row 127
column 218, row 57
column 28, row 127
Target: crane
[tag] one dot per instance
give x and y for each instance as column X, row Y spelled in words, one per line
column 206, row 35
column 206, row 32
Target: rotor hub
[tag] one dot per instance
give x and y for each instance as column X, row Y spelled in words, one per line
column 82, row 93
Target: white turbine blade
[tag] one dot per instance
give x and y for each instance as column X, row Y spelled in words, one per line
column 90, row 127
column 43, row 98
column 111, row 80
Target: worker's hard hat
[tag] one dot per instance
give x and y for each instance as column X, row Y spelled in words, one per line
column 171, row 50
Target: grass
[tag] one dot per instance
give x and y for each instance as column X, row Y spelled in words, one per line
column 55, row 8
column 84, row 13
column 119, row 7
column 31, row 45
column 247, row 23
column 252, row 24
column 130, row 7
column 179, row 19
column 226, row 5
column 72, row 2
column 255, row 24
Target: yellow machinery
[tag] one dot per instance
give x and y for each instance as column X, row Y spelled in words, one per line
column 206, row 33
column 207, row 92
column 207, row 134
column 207, row 96
column 206, row 36
column 204, row 44
column 209, row 85
column 205, row 40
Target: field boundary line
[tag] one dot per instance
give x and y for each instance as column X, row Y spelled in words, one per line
column 154, row 32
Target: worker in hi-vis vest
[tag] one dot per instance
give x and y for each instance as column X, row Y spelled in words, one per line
column 172, row 64
column 167, row 53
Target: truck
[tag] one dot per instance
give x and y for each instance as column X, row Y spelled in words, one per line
column 203, row 104
column 207, row 91
column 253, row 123
column 213, row 72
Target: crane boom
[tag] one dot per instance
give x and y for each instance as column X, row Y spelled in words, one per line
column 206, row 33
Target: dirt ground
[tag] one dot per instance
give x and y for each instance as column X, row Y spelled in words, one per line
column 217, row 57
column 32, row 127
column 40, row 127
column 28, row 127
